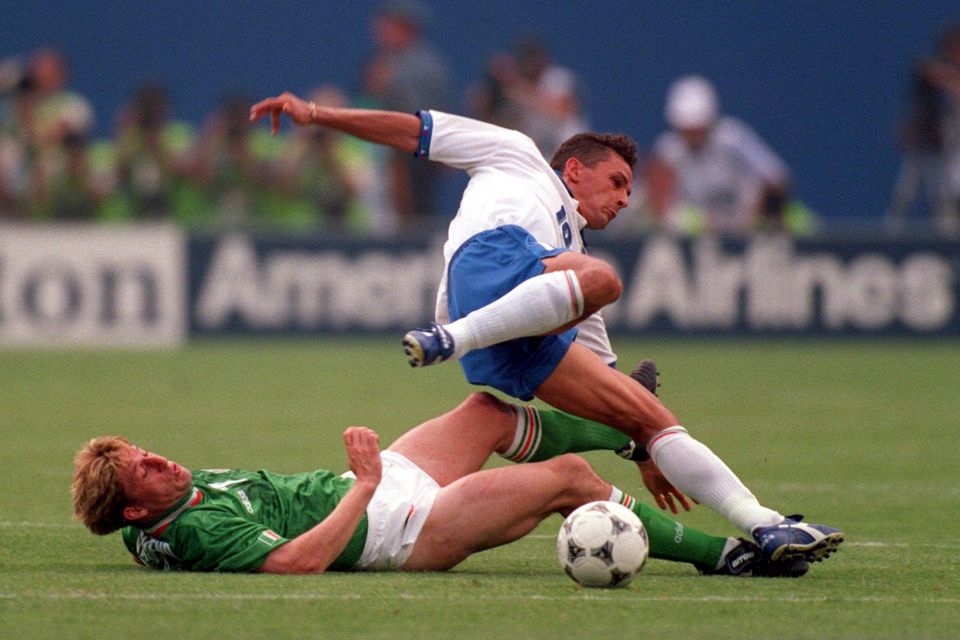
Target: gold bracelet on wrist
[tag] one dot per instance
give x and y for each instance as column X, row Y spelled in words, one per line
column 313, row 112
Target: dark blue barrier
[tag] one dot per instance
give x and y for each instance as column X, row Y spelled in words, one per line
column 246, row 285
column 766, row 286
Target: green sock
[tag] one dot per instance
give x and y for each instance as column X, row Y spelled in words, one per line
column 545, row 434
column 671, row 540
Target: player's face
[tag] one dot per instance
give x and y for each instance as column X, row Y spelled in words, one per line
column 151, row 481
column 602, row 190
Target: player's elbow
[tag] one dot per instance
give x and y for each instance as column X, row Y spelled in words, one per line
column 293, row 568
column 289, row 560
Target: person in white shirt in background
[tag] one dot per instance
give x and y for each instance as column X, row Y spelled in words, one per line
column 711, row 173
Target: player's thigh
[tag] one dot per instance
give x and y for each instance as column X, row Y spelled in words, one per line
column 496, row 506
column 490, row 264
column 460, row 441
column 584, row 386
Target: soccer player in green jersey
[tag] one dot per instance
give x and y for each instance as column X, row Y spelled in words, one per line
column 425, row 503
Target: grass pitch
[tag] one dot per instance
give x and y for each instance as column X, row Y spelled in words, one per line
column 860, row 435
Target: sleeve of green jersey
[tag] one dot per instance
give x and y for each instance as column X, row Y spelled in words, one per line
column 223, row 543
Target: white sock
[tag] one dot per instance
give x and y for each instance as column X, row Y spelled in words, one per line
column 695, row 470
column 532, row 308
column 618, row 496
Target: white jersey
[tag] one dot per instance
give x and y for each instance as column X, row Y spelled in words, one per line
column 510, row 183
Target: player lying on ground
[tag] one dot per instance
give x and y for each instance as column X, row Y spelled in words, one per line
column 423, row 504
column 519, row 298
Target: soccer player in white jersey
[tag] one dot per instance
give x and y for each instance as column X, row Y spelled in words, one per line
column 519, row 298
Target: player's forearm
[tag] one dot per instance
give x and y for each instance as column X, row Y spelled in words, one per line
column 390, row 128
column 315, row 550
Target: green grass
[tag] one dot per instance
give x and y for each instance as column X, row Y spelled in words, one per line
column 857, row 434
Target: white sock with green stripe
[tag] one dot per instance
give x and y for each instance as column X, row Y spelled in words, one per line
column 532, row 308
column 526, row 439
column 618, row 496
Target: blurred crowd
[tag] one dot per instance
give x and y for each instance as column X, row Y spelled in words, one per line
column 929, row 139
column 708, row 173
column 224, row 173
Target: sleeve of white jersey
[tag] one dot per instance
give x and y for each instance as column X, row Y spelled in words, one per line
column 468, row 144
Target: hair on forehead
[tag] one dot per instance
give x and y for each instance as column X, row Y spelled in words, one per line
column 591, row 148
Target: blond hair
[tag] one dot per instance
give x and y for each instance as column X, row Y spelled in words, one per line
column 98, row 498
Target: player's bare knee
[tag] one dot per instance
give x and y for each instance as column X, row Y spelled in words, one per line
column 483, row 401
column 572, row 466
column 497, row 418
column 600, row 284
column 609, row 280
column 580, row 483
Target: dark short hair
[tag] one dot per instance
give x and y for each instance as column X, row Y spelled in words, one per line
column 591, row 148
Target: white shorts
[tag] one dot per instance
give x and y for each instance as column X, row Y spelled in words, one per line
column 396, row 514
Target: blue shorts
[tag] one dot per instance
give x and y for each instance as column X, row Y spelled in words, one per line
column 483, row 269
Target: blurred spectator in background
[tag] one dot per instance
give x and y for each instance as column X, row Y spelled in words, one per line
column 930, row 140
column 45, row 155
column 712, row 173
column 414, row 75
column 57, row 124
column 233, row 165
column 16, row 108
column 374, row 191
column 153, row 163
column 58, row 111
column 327, row 171
column 526, row 91
column 65, row 188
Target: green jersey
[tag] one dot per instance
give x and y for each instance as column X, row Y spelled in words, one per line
column 232, row 519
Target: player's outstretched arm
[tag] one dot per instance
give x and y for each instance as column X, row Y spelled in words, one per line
column 390, row 128
column 315, row 550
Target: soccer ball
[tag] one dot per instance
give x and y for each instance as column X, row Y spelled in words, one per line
column 602, row 544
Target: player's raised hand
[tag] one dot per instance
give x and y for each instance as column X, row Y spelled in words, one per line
column 363, row 453
column 297, row 109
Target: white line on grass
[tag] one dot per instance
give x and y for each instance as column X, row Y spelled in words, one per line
column 622, row 596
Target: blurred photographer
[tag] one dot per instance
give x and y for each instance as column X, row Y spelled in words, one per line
column 930, row 140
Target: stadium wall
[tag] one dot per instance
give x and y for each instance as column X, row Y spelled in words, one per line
column 153, row 286
column 825, row 83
